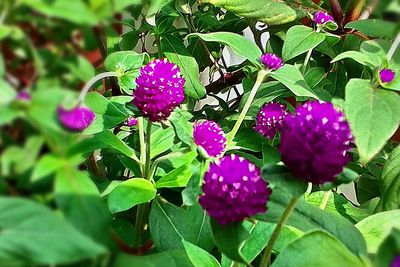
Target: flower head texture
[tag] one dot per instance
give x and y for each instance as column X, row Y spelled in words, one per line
column 396, row 261
column 315, row 142
column 271, row 61
column 131, row 121
column 321, row 18
column 76, row 119
column 209, row 136
column 24, row 95
column 233, row 190
column 387, row 75
column 270, row 119
column 159, row 89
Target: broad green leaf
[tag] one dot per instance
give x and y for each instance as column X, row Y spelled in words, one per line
column 107, row 114
column 123, row 61
column 280, row 177
column 31, row 234
column 161, row 140
column 357, row 56
column 169, row 225
column 176, row 178
column 8, row 114
column 292, row 78
column 377, row 227
column 239, row 45
column 317, row 248
column 306, row 217
column 374, row 27
column 300, row 39
column 314, row 76
column 373, row 114
column 78, row 197
column 170, row 258
column 177, row 53
column 81, row 68
column 46, row 165
column 390, row 183
column 271, row 12
column 389, row 249
column 7, row 93
column 183, row 128
column 130, row 193
column 156, row 6
column 198, row 256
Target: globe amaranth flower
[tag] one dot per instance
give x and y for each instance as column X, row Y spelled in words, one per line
column 209, row 136
column 271, row 61
column 76, row 119
column 23, row 95
column 131, row 121
column 396, row 261
column 270, row 119
column 233, row 190
column 322, row 18
column 387, row 75
column 159, row 89
column 315, row 142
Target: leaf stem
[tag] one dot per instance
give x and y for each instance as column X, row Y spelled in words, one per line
column 325, row 199
column 142, row 145
column 92, row 81
column 394, row 46
column 260, row 78
column 148, row 147
column 308, row 56
column 274, row 237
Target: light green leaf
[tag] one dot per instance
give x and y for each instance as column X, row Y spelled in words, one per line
column 357, row 56
column 156, row 6
column 176, row 178
column 46, row 165
column 170, row 258
column 198, row 256
column 124, row 61
column 374, row 27
column 161, row 141
column 373, row 114
column 7, row 93
column 281, row 177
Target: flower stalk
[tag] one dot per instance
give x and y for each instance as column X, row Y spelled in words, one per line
column 92, row 81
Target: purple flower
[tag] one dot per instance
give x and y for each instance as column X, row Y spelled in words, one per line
column 233, row 190
column 387, row 75
column 23, row 95
column 271, row 61
column 270, row 119
column 396, row 261
column 321, row 18
column 209, row 136
column 315, row 142
column 131, row 121
column 76, row 119
column 159, row 89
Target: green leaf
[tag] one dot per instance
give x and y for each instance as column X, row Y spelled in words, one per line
column 292, row 78
column 229, row 238
column 198, row 256
column 170, row 224
column 389, row 249
column 79, row 199
column 130, row 193
column 314, row 76
column 361, row 58
column 156, row 6
column 177, row 53
column 374, row 27
column 123, row 61
column 31, row 234
column 161, row 141
column 170, row 258
column 239, row 45
column 377, row 227
column 107, row 114
column 7, row 93
column 317, row 248
column 183, row 128
column 269, row 11
column 81, row 68
column 390, row 183
column 280, row 177
column 300, row 39
column 373, row 114
column 306, row 217
column 46, row 165
column 176, row 178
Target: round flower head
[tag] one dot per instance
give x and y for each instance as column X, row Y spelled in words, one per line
column 270, row 119
column 396, row 261
column 131, row 121
column 76, row 119
column 386, row 75
column 271, row 61
column 209, row 136
column 322, row 18
column 23, row 95
column 315, row 142
column 159, row 89
column 233, row 190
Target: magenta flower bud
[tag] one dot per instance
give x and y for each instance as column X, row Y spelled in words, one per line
column 209, row 136
column 387, row 75
column 76, row 119
column 269, row 119
column 23, row 95
column 322, row 18
column 271, row 61
column 131, row 121
column 315, row 142
column 396, row 261
column 233, row 190
column 160, row 89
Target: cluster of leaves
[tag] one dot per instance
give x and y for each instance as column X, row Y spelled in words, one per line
column 72, row 199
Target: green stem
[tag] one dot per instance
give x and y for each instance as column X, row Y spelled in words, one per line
column 142, row 145
column 260, row 78
column 148, row 147
column 308, row 56
column 393, row 48
column 274, row 237
column 92, row 81
column 325, row 199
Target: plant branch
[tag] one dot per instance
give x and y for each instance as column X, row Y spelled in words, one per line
column 92, row 81
column 355, row 12
column 337, row 12
column 393, row 48
column 325, row 199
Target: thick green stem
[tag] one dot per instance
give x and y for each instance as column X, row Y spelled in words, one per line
column 92, row 81
column 325, row 199
column 260, row 78
column 148, row 147
column 308, row 56
column 142, row 145
column 274, row 237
